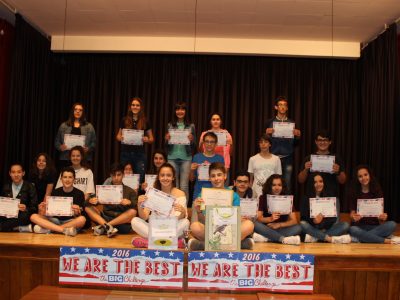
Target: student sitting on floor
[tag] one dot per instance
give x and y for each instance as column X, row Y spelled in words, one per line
column 241, row 185
column 217, row 174
column 369, row 229
column 67, row 225
column 275, row 227
column 114, row 215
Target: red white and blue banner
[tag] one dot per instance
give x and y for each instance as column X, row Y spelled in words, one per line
column 247, row 271
column 121, row 267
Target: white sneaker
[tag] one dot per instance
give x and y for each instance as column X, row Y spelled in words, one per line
column 27, row 228
column 341, row 239
column 38, row 229
column 395, row 240
column 258, row 238
column 354, row 239
column 310, row 239
column 291, row 240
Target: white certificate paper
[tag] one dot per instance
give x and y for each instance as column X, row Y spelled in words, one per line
column 9, row 207
column 282, row 204
column 322, row 163
column 72, row 140
column 131, row 180
column 248, row 207
column 163, row 233
column 179, row 136
column 370, row 207
column 221, row 138
column 132, row 136
column 203, row 172
column 159, row 202
column 325, row 206
column 109, row 194
column 150, row 179
column 216, row 197
column 283, row 130
column 59, row 206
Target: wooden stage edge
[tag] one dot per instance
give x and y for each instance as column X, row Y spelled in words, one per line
column 354, row 271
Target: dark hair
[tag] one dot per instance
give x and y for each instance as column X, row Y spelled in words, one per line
column 265, row 137
column 125, row 164
column 374, row 186
column 83, row 163
column 323, row 133
column 242, row 173
column 17, row 163
column 217, row 166
column 71, row 118
column 49, row 170
column 219, row 115
column 128, row 120
column 324, row 192
column 116, row 167
column 211, row 134
column 280, row 98
column 68, row 170
column 153, row 169
column 180, row 105
column 267, row 187
column 157, row 183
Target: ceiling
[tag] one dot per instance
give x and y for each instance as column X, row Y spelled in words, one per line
column 211, row 21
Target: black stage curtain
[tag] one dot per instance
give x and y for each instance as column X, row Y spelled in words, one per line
column 322, row 93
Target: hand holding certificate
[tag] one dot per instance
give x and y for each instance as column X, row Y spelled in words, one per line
column 370, row 207
column 109, row 194
column 132, row 137
column 9, row 207
column 59, row 206
column 179, row 136
column 325, row 206
column 248, row 207
column 159, row 202
column 283, row 130
column 72, row 140
column 322, row 163
column 281, row 204
column 131, row 180
column 216, row 197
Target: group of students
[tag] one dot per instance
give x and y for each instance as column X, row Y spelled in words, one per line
column 269, row 172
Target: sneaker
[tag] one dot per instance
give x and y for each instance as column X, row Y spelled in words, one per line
column 354, row 239
column 38, row 229
column 395, row 240
column 341, row 239
column 139, row 242
column 27, row 228
column 258, row 238
column 70, row 231
column 195, row 245
column 110, row 230
column 99, row 230
column 291, row 240
column 310, row 239
column 181, row 244
column 247, row 243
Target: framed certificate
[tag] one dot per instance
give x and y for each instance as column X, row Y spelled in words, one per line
column 216, row 197
column 179, row 136
column 370, row 207
column 131, row 180
column 222, row 232
column 163, row 233
column 249, row 207
column 132, row 136
column 59, row 206
column 283, row 130
column 322, row 163
column 159, row 202
column 109, row 194
column 150, row 179
column 9, row 207
column 325, row 206
column 72, row 140
column 282, row 204
column 221, row 138
column 203, row 172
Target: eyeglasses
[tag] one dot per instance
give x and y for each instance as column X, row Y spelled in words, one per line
column 209, row 142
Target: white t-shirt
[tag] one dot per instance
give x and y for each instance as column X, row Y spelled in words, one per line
column 262, row 168
column 83, row 181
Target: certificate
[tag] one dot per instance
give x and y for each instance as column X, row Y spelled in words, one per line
column 131, row 180
column 132, row 136
column 203, row 172
column 9, row 207
column 370, row 207
column 109, row 194
column 159, row 202
column 282, row 204
column 216, row 197
column 72, row 140
column 179, row 136
column 163, row 233
column 248, row 207
column 283, row 130
column 325, row 206
column 221, row 138
column 322, row 163
column 150, row 179
column 59, row 206
column 222, row 228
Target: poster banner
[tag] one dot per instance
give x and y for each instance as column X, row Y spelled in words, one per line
column 247, row 271
column 121, row 267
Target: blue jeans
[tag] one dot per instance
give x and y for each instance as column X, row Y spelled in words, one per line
column 373, row 233
column 278, row 234
column 336, row 229
column 182, row 170
column 138, row 161
column 287, row 169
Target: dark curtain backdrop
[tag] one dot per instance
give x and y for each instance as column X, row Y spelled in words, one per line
column 322, row 93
